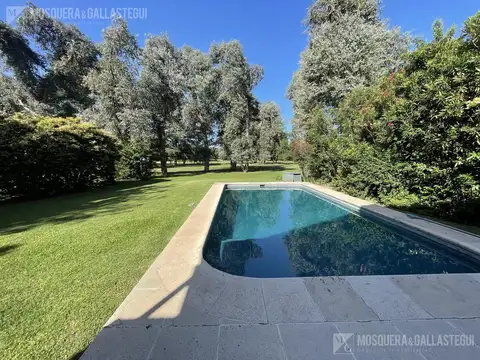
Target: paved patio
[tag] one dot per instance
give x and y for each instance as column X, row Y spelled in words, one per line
column 182, row 308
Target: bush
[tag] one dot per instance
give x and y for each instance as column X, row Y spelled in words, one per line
column 364, row 172
column 136, row 161
column 45, row 156
column 412, row 139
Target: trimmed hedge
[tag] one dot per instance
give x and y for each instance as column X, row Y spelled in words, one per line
column 42, row 156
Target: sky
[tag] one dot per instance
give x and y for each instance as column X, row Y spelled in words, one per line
column 271, row 31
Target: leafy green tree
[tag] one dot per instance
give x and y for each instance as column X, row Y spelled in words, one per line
column 411, row 139
column 113, row 81
column 435, row 121
column 239, row 105
column 201, row 109
column 285, row 152
column 15, row 51
column 349, row 46
column 161, row 87
column 270, row 132
column 67, row 55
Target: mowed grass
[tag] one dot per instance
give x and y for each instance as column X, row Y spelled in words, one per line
column 67, row 262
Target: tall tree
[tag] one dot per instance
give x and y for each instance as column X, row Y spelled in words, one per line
column 67, row 56
column 113, row 81
column 201, row 110
column 161, row 87
column 349, row 46
column 237, row 99
column 18, row 57
column 271, row 132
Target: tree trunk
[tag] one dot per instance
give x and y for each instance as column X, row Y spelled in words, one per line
column 175, row 162
column 206, row 157
column 233, row 165
column 163, row 153
column 206, row 164
column 245, row 166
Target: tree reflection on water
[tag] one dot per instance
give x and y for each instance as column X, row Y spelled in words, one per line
column 254, row 232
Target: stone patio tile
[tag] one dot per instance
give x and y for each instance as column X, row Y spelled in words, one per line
column 469, row 327
column 204, row 289
column 311, row 342
column 241, row 300
column 122, row 344
column 193, row 316
column 150, row 280
column 337, row 300
column 476, row 277
column 248, row 342
column 288, row 301
column 443, row 296
column 382, row 328
column 194, row 226
column 183, row 306
column 386, row 299
column 152, row 307
column 433, row 329
column 192, row 342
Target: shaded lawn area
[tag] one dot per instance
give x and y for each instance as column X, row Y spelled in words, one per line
column 67, row 262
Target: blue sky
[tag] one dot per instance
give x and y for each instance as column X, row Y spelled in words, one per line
column 271, row 31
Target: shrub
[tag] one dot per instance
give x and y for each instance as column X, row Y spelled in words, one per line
column 364, row 172
column 412, row 139
column 136, row 161
column 45, row 156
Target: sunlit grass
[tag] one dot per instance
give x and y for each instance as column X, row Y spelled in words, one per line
column 67, row 262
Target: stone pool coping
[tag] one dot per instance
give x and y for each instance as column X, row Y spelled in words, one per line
column 181, row 292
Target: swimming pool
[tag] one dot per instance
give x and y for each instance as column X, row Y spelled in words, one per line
column 289, row 232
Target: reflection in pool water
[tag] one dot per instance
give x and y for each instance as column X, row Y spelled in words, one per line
column 287, row 233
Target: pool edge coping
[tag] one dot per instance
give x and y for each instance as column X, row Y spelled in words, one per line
column 194, row 232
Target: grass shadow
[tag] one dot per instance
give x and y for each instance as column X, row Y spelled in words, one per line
column 19, row 216
column 7, row 248
column 226, row 170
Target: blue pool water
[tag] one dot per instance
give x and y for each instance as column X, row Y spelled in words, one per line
column 288, row 233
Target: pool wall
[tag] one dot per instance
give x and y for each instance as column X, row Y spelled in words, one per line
column 454, row 239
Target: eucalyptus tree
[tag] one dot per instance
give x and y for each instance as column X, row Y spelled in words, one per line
column 18, row 57
column 271, row 132
column 113, row 82
column 240, row 107
column 349, row 46
column 201, row 109
column 66, row 56
column 161, row 88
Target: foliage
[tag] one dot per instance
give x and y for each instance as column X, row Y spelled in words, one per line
column 184, row 103
column 136, row 161
column 18, row 56
column 270, row 132
column 349, row 46
column 66, row 56
column 412, row 139
column 46, row 156
column 239, row 105
column 161, row 90
column 202, row 109
column 112, row 82
column 285, row 152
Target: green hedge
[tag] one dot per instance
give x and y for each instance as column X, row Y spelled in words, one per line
column 44, row 156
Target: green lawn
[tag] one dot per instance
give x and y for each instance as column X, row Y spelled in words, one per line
column 67, row 262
